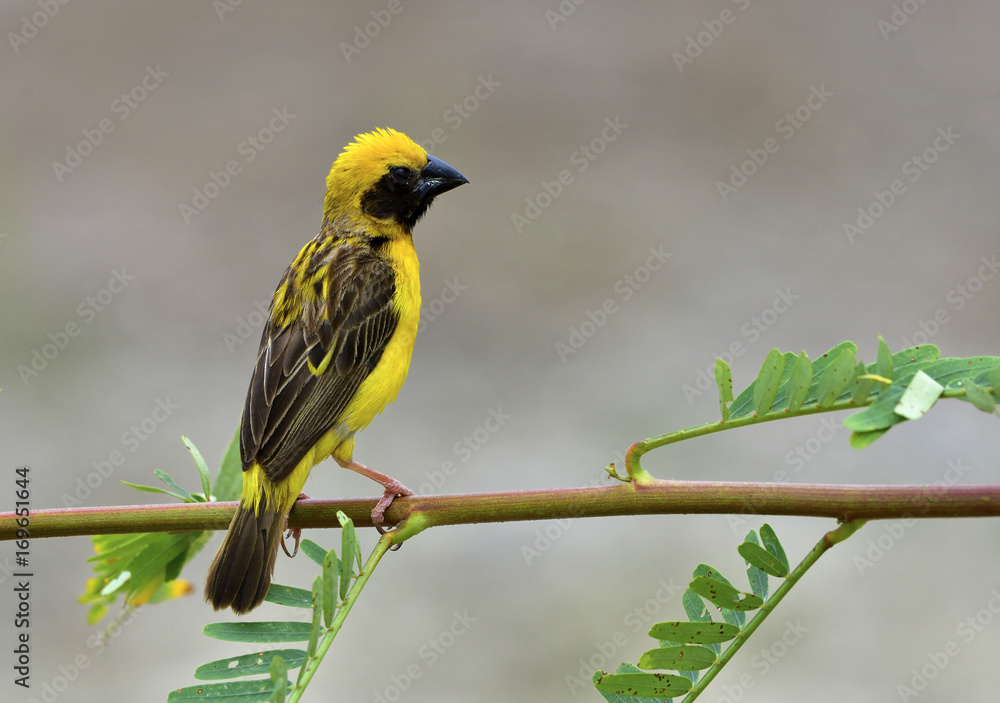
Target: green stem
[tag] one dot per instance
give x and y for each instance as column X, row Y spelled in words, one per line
column 647, row 445
column 635, row 452
column 310, row 666
column 829, row 539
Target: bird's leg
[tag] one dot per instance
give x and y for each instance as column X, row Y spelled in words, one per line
column 296, row 533
column 393, row 488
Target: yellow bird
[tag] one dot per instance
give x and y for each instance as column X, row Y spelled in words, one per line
column 335, row 350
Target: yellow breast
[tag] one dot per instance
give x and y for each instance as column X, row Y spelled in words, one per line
column 383, row 384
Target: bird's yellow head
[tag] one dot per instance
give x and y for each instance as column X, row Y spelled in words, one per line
column 387, row 177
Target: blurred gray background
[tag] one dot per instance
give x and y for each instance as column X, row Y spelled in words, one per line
column 117, row 114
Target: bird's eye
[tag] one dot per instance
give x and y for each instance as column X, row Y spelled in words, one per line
column 400, row 174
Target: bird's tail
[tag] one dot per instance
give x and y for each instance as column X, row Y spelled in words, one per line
column 241, row 572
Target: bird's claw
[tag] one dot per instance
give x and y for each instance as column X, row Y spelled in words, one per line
column 290, row 532
column 392, row 490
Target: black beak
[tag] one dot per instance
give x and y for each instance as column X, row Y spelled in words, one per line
column 437, row 177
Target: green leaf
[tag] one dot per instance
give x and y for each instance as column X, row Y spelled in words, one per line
column 152, row 561
column 627, row 668
column 744, row 403
column 724, row 380
column 799, row 382
column 693, row 632
column 248, row 664
column 199, row 461
column 861, row 387
column 229, row 481
column 167, row 479
column 642, row 685
column 681, row 657
column 252, row 691
column 904, row 364
column 722, row 595
column 953, row 373
column 317, row 608
column 823, row 363
column 771, row 543
column 860, row 440
column 697, row 611
column 768, row 380
column 173, row 568
column 137, row 567
column 950, row 373
column 694, row 607
column 156, row 489
column 312, row 550
column 836, row 378
column 279, row 674
column 331, row 574
column 757, row 578
column 993, row 378
column 259, row 631
column 288, row 596
column 762, row 559
column 879, row 415
column 885, row 364
column 981, row 397
column 117, row 547
column 710, row 571
column 919, row 396
column 349, row 552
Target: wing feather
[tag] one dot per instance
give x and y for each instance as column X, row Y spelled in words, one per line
column 288, row 407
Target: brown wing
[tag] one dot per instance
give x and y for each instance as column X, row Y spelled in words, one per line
column 288, row 407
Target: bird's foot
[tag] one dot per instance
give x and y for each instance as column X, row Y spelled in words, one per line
column 392, row 489
column 289, row 532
